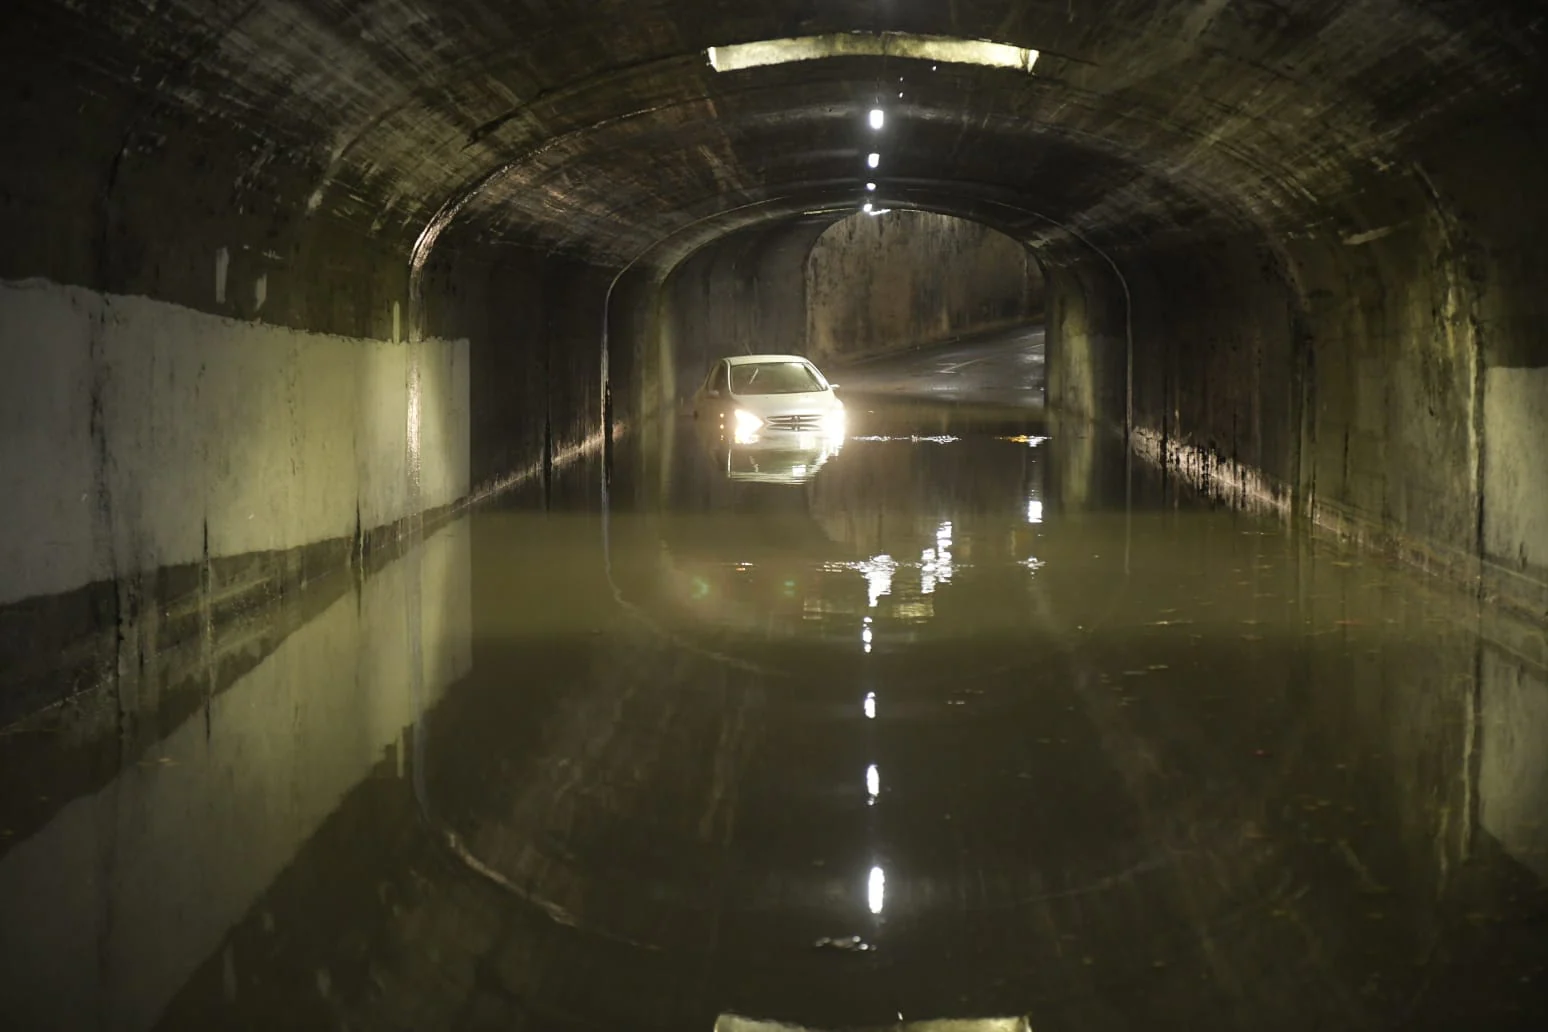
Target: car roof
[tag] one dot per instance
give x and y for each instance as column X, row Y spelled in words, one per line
column 745, row 359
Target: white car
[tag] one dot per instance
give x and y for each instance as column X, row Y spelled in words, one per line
column 773, row 401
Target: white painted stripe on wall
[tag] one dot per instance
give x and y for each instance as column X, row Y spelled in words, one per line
column 270, row 433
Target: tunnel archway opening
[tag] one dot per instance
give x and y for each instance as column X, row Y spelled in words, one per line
column 897, row 279
column 841, row 286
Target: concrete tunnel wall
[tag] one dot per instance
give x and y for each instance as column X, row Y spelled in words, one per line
column 1390, row 384
column 742, row 294
column 214, row 383
column 164, row 466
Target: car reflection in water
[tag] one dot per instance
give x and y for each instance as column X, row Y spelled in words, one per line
column 779, row 462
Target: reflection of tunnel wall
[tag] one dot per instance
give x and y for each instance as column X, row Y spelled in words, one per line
column 877, row 282
column 141, row 878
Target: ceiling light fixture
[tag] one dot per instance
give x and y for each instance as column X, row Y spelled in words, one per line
column 937, row 49
column 878, row 118
column 873, row 159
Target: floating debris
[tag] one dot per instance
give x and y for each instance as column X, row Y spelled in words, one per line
column 847, row 943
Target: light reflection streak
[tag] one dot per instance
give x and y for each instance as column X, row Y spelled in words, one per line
column 1034, row 511
column 937, row 439
column 935, row 564
column 878, row 577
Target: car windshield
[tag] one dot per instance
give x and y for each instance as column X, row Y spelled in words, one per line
column 773, row 378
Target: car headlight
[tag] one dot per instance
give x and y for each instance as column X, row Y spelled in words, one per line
column 745, row 426
column 833, row 422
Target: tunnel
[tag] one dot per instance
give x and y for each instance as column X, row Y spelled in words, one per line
column 400, row 630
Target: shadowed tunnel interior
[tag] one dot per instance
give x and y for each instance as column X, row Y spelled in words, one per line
column 352, row 513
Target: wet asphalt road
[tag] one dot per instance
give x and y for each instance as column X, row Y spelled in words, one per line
column 970, row 717
column 1004, row 368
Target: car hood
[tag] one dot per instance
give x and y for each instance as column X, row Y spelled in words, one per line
column 766, row 405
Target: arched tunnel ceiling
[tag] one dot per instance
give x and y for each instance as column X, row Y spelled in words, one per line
column 601, row 129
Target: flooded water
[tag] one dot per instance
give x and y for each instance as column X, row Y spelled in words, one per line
column 970, row 717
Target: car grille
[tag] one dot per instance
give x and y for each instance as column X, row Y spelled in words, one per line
column 805, row 422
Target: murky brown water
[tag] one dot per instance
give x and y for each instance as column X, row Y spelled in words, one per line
column 944, row 724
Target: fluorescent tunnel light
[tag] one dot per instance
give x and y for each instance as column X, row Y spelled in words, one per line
column 873, row 159
column 938, row 49
column 878, row 118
